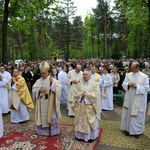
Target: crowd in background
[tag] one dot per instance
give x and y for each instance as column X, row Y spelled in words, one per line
column 31, row 72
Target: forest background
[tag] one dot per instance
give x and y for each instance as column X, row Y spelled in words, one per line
column 38, row 29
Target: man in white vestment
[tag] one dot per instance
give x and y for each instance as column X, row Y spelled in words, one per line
column 116, row 78
column 47, row 90
column 19, row 98
column 136, row 85
column 86, row 107
column 1, row 123
column 72, row 79
column 61, row 78
column 4, row 79
column 95, row 76
column 107, row 91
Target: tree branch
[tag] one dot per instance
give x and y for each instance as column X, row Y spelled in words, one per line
column 145, row 2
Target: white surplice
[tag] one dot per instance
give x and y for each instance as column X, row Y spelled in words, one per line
column 64, row 93
column 1, row 123
column 135, row 125
column 107, row 102
column 21, row 114
column 72, row 75
column 4, row 92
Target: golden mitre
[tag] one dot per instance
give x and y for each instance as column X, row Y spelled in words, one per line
column 44, row 64
column 44, row 69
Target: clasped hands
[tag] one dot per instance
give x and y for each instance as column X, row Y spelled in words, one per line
column 42, row 90
column 84, row 94
column 75, row 81
column 132, row 84
column 14, row 79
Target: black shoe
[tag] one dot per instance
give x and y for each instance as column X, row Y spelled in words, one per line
column 90, row 141
column 23, row 122
column 80, row 140
column 137, row 136
column 126, row 133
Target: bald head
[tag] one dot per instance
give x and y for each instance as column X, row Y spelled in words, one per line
column 135, row 67
column 78, row 68
column 146, row 66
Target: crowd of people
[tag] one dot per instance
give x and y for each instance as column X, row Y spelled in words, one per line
column 87, row 88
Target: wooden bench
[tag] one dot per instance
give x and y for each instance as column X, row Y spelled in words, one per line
column 119, row 98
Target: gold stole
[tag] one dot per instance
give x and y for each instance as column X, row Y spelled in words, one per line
column 96, row 77
column 51, row 107
column 137, row 97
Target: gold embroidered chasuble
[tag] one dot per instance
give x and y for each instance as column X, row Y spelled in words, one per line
column 85, row 114
column 21, row 93
column 47, row 103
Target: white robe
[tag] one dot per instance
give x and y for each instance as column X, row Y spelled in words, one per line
column 64, row 93
column 107, row 103
column 39, row 128
column 21, row 114
column 135, row 125
column 1, row 124
column 72, row 75
column 4, row 92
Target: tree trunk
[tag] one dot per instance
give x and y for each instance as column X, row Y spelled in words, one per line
column 4, row 33
column 105, row 30
column 20, row 44
column 98, row 41
column 36, row 43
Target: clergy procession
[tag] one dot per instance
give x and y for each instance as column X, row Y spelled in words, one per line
column 85, row 87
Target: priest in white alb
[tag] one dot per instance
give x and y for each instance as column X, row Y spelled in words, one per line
column 74, row 76
column 107, row 91
column 47, row 110
column 5, row 77
column 86, row 107
column 95, row 76
column 61, row 78
column 19, row 98
column 136, row 85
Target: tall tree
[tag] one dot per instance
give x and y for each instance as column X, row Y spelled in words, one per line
column 70, row 11
column 102, row 17
column 4, row 32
